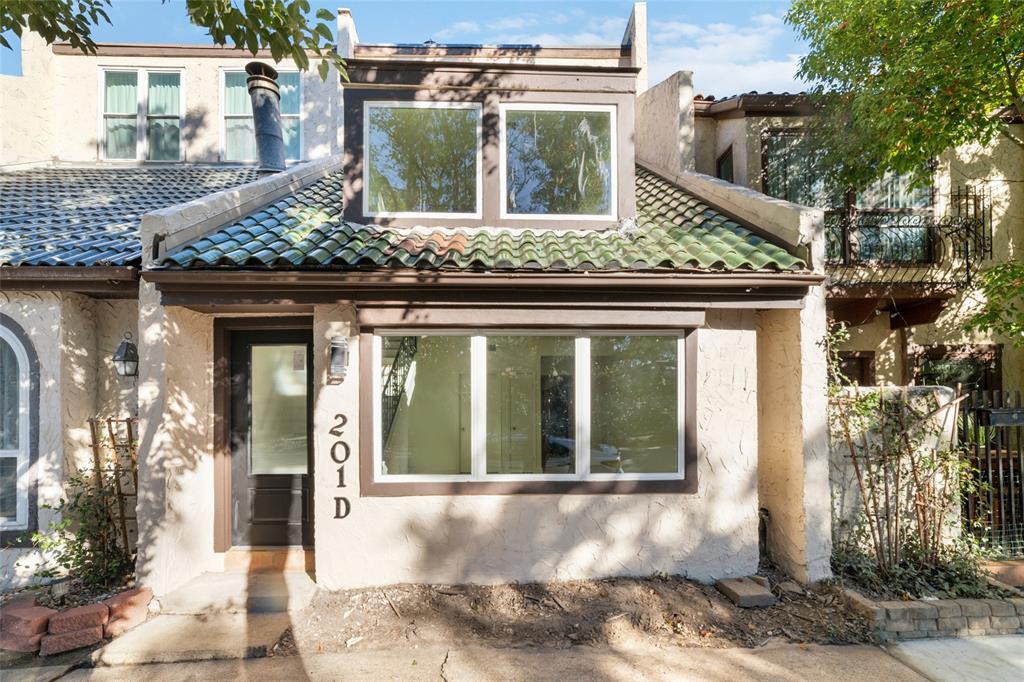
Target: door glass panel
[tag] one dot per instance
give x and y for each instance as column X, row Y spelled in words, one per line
column 531, row 426
column 278, row 402
column 634, row 405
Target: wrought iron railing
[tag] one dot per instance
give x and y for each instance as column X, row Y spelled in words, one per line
column 394, row 384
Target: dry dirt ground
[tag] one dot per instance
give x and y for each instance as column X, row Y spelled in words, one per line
column 617, row 611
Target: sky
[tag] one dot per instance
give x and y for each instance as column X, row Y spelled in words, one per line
column 732, row 46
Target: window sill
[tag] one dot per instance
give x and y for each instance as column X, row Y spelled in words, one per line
column 589, row 487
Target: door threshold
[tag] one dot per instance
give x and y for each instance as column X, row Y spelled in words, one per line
column 269, row 559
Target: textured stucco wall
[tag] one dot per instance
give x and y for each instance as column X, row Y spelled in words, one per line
column 664, row 123
column 34, row 128
column 115, row 396
column 176, row 444
column 886, row 343
column 489, row 539
column 42, row 316
column 704, row 133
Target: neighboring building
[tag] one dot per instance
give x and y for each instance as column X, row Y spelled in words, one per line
column 902, row 262
column 496, row 334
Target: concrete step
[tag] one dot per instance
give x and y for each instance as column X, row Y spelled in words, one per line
column 241, row 593
column 178, row 638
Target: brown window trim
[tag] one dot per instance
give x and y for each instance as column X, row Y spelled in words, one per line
column 869, row 368
column 370, row 488
column 222, row 327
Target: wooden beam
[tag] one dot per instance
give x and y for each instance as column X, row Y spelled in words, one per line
column 853, row 312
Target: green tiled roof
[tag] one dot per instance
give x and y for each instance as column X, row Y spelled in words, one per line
column 674, row 231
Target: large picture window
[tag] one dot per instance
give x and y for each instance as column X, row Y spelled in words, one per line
column 422, row 159
column 239, row 131
column 14, row 432
column 528, row 407
column 142, row 111
column 558, row 161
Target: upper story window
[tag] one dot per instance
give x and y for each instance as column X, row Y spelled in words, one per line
column 894, row 191
column 142, row 111
column 239, row 138
column 422, row 159
column 558, row 161
column 14, row 432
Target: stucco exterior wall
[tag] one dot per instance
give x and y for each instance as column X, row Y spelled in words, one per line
column 497, row 538
column 664, row 123
column 35, row 129
column 886, row 343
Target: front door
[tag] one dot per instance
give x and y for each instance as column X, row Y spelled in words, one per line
column 271, row 415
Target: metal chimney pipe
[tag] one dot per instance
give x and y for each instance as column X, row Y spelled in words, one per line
column 266, row 116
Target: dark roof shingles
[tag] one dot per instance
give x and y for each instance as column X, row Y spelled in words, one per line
column 675, row 231
column 91, row 216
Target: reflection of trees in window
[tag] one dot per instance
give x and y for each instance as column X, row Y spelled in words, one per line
column 422, row 160
column 558, row 162
column 789, row 170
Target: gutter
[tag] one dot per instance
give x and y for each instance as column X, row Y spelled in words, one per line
column 113, row 281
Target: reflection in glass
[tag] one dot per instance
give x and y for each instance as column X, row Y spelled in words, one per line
column 558, row 162
column 634, row 405
column 10, row 396
column 531, row 426
column 422, row 159
column 279, row 410
column 425, row 405
column 9, row 487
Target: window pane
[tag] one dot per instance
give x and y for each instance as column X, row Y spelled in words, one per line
column 278, row 404
column 289, row 84
column 894, row 190
column 531, row 425
column 163, row 99
column 239, row 140
column 425, row 404
column 120, row 94
column 422, row 160
column 121, row 134
column 9, row 396
column 290, row 129
column 634, row 405
column 559, row 162
column 9, row 487
column 236, row 94
column 789, row 172
column 164, row 139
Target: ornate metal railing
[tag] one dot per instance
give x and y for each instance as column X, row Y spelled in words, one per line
column 904, row 247
column 394, row 384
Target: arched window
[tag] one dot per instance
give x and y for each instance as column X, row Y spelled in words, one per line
column 15, row 386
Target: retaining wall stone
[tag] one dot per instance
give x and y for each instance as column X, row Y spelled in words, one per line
column 916, row 619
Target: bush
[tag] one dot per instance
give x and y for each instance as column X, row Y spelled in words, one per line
column 83, row 543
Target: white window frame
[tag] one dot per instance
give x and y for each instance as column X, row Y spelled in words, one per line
column 478, row 409
column 224, row 116
column 503, row 109
column 20, row 521
column 418, row 104
column 142, row 113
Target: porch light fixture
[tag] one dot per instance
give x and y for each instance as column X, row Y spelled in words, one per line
column 339, row 358
column 126, row 357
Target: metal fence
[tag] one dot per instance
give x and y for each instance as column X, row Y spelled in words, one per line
column 992, row 431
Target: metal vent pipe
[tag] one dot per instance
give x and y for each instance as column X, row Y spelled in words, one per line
column 266, row 116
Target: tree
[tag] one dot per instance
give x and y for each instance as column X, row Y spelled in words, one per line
column 1003, row 309
column 899, row 82
column 285, row 28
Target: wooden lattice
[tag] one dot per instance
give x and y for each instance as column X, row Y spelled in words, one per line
column 115, row 455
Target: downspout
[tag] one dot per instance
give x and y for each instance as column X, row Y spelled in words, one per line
column 266, row 115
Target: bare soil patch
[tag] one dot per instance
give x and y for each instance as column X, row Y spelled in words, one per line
column 616, row 611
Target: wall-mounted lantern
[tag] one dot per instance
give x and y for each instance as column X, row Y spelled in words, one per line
column 339, row 358
column 126, row 357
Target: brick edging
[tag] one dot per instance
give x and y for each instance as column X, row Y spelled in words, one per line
column 917, row 619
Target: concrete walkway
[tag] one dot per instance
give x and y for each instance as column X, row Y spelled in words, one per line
column 786, row 663
column 979, row 659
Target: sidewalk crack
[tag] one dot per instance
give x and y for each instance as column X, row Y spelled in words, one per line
column 444, row 676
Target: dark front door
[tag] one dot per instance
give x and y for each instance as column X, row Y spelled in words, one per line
column 271, row 415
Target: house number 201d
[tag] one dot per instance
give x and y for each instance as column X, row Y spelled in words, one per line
column 340, row 453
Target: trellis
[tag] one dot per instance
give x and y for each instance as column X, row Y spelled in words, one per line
column 115, row 455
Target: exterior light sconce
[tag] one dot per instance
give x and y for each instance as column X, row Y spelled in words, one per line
column 126, row 358
column 339, row 358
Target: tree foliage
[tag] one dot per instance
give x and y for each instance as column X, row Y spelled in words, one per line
column 285, row 27
column 899, row 82
column 1003, row 310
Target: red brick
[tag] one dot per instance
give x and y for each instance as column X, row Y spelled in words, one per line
column 79, row 618
column 26, row 620
column 24, row 643
column 56, row 644
column 130, row 604
column 116, row 628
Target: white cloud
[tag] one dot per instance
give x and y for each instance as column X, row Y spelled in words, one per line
column 725, row 58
